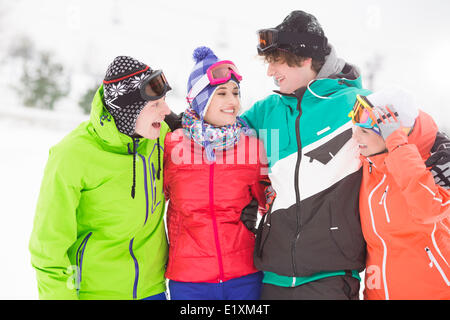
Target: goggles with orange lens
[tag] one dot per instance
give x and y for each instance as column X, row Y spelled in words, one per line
column 269, row 39
column 363, row 116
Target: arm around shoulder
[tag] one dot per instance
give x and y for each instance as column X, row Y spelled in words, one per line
column 429, row 201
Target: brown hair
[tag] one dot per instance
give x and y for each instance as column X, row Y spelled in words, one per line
column 291, row 59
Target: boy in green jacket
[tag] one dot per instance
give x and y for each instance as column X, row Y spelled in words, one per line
column 310, row 246
column 99, row 230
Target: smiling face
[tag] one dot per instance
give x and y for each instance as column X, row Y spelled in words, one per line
column 369, row 142
column 224, row 105
column 292, row 78
column 148, row 123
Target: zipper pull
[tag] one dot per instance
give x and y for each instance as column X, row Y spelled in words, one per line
column 430, row 255
column 383, row 196
column 370, row 166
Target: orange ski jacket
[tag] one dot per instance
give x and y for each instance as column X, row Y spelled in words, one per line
column 405, row 219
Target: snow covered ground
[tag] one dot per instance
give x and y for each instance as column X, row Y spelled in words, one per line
column 26, row 137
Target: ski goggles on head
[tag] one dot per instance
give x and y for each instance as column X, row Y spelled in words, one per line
column 363, row 116
column 220, row 72
column 155, row 86
column 270, row 39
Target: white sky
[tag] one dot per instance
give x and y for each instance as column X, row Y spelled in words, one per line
column 412, row 36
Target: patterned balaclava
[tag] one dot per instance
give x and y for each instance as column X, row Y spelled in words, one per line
column 123, row 100
column 122, row 95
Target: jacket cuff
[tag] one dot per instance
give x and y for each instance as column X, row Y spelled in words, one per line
column 396, row 139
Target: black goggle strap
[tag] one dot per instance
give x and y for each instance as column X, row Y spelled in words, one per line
column 306, row 39
column 283, row 38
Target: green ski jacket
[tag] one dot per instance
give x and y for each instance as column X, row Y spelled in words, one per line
column 91, row 239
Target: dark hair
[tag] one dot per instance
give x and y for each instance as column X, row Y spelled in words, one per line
column 292, row 60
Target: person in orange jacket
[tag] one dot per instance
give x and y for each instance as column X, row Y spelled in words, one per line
column 405, row 214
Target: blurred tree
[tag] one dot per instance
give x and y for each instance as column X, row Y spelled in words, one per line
column 43, row 81
column 23, row 49
column 86, row 99
column 373, row 66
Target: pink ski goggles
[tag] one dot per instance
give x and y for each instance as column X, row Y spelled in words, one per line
column 220, row 72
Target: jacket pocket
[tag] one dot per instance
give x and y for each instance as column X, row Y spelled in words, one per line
column 344, row 235
column 435, row 263
column 383, row 203
column 345, row 226
column 79, row 259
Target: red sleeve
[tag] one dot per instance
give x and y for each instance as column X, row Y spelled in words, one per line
column 262, row 190
column 428, row 201
column 167, row 151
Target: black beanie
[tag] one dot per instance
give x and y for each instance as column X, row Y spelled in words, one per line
column 121, row 88
column 301, row 22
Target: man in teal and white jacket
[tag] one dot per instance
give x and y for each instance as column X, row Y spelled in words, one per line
column 310, row 246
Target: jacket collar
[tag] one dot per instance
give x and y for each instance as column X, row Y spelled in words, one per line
column 105, row 127
column 323, row 88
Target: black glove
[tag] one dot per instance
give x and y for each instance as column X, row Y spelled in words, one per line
column 173, row 120
column 442, row 141
column 439, row 161
column 249, row 215
column 440, row 167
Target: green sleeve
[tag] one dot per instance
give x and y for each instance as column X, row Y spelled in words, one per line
column 55, row 230
column 251, row 116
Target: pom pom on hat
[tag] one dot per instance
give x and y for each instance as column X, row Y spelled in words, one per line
column 204, row 57
column 201, row 53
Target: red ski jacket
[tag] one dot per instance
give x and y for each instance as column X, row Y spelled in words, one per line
column 208, row 242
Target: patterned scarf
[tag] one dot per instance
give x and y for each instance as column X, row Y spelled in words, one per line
column 213, row 138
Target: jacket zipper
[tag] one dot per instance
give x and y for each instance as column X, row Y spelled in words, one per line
column 214, row 221
column 136, row 264
column 79, row 259
column 382, row 241
column 296, row 186
column 145, row 187
column 383, row 202
column 436, row 264
column 153, row 187
column 136, row 270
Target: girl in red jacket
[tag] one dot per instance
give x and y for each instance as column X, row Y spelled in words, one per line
column 213, row 167
column 404, row 213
